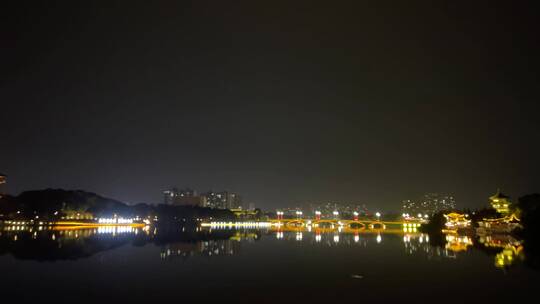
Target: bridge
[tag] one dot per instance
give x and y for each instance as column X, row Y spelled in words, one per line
column 326, row 225
column 360, row 224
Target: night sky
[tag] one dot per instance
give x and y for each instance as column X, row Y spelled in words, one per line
column 284, row 102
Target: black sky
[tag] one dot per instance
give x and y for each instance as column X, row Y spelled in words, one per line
column 282, row 101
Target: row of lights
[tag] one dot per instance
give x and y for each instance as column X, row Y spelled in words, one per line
column 318, row 237
column 118, row 229
column 412, row 225
column 115, row 221
column 419, row 215
column 237, row 224
column 318, row 213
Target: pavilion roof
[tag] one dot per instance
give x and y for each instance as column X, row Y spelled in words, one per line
column 499, row 195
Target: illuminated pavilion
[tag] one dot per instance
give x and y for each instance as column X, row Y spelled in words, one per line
column 507, row 223
column 501, row 203
column 456, row 220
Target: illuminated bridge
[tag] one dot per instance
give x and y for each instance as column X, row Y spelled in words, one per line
column 350, row 224
column 328, row 224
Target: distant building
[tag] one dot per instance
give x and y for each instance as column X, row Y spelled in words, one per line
column 501, row 203
column 196, row 200
column 216, row 200
column 223, row 200
column 184, row 197
column 169, row 195
column 429, row 204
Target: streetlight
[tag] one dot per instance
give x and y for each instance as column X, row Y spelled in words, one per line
column 336, row 213
column 378, row 215
column 299, row 214
column 355, row 215
column 318, row 215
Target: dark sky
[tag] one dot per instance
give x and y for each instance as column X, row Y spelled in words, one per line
column 284, row 102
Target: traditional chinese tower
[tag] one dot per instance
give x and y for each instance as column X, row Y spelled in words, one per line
column 501, row 203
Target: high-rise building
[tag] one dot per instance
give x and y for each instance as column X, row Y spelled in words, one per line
column 187, row 197
column 223, row 200
column 429, row 204
column 211, row 199
column 169, row 195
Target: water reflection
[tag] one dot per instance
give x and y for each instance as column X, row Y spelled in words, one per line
column 206, row 248
column 49, row 244
column 508, row 250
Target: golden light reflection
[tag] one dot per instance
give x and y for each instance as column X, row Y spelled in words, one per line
column 458, row 243
column 508, row 256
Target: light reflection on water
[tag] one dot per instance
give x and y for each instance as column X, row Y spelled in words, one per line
column 193, row 260
column 506, row 250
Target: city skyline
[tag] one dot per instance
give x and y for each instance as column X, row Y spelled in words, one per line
column 426, row 201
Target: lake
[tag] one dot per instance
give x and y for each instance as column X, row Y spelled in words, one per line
column 177, row 265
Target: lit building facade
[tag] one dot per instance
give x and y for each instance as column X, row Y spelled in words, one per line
column 184, row 197
column 429, row 204
column 190, row 197
column 170, row 196
column 509, row 220
column 501, row 203
column 455, row 221
column 223, row 200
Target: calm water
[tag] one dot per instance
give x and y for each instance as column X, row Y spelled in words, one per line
column 112, row 265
